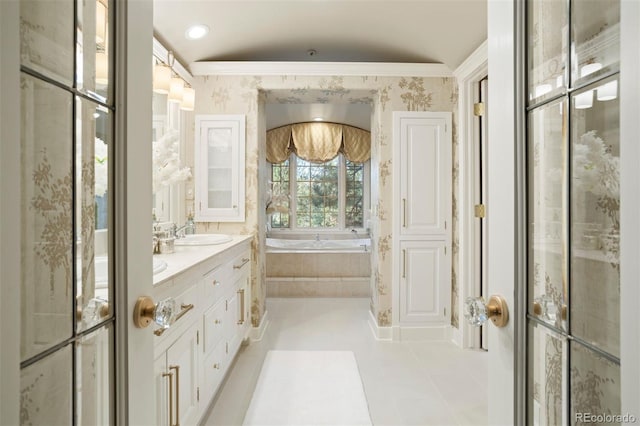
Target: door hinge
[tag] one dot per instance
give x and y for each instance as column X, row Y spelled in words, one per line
column 198, row 393
column 479, row 210
column 478, row 109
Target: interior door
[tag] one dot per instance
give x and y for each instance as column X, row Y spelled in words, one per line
column 566, row 218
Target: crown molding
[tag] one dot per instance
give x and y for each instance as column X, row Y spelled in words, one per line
column 379, row 69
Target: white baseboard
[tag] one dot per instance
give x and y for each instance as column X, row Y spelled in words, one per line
column 380, row 333
column 257, row 333
column 456, row 336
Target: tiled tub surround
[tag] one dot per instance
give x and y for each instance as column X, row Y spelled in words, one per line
column 324, row 268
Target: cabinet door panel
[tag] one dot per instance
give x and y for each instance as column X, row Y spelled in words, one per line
column 214, row 321
column 425, row 176
column 424, row 282
column 219, row 168
column 184, row 355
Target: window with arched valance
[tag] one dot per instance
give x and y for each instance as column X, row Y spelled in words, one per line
column 318, row 142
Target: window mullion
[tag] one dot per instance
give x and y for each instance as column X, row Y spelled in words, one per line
column 342, row 193
column 293, row 196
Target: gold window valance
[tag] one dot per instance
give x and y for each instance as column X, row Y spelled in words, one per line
column 318, row 142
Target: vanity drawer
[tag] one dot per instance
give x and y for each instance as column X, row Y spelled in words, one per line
column 215, row 319
column 215, row 367
column 216, row 281
column 242, row 262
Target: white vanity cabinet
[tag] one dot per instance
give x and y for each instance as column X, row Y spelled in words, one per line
column 194, row 354
column 219, row 168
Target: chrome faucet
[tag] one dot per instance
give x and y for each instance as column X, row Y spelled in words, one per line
column 355, row 233
column 186, row 229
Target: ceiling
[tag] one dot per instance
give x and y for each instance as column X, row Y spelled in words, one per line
column 419, row 31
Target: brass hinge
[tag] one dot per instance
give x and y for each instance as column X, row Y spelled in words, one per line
column 478, row 109
column 480, row 210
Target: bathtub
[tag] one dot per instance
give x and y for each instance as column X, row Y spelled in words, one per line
column 318, row 268
column 279, row 245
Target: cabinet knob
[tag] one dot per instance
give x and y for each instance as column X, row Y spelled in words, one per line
column 215, row 283
column 216, row 366
column 217, row 321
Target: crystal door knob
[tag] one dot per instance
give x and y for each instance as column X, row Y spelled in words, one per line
column 163, row 313
column 477, row 312
column 546, row 309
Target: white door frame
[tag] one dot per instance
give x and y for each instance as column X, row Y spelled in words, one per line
column 468, row 74
column 10, row 221
column 133, row 251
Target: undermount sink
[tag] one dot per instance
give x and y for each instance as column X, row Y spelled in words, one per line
column 159, row 265
column 203, row 240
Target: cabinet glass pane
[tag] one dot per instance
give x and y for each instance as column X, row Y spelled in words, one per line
column 94, row 50
column 45, row 390
column 93, row 138
column 46, row 209
column 220, row 155
column 547, row 353
column 595, row 38
column 547, row 172
column 547, row 48
column 595, row 221
column 595, row 388
column 46, row 38
column 94, row 378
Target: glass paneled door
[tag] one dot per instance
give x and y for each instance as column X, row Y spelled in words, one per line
column 67, row 315
column 573, row 206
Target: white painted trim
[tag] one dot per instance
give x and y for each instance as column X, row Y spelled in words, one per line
column 320, row 69
column 132, row 169
column 629, row 178
column 10, row 219
column 456, row 337
column 257, row 333
column 162, row 52
column 379, row 333
column 469, row 73
column 501, row 176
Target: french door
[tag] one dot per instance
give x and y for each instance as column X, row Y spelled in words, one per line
column 573, row 212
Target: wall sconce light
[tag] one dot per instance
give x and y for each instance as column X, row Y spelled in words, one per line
column 101, row 22
column 542, row 89
column 188, row 99
column 584, row 100
column 590, row 69
column 607, row 91
column 102, row 67
column 161, row 78
column 176, row 90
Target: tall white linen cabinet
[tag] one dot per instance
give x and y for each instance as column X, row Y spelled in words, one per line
column 422, row 224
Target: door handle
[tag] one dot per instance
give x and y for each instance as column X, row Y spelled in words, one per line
column 476, row 312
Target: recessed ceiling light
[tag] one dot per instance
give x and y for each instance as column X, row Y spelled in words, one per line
column 195, row 32
column 318, row 119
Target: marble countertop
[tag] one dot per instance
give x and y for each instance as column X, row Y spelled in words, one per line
column 185, row 257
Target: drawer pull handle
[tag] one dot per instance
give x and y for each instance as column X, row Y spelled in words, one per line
column 185, row 309
column 241, row 294
column 244, row 262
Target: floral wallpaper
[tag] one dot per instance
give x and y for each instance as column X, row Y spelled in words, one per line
column 248, row 94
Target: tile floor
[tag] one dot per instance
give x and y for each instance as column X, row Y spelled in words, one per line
column 406, row 383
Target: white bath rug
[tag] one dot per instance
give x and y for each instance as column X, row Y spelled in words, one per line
column 308, row 388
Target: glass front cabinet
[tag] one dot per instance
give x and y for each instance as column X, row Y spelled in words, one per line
column 219, row 168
